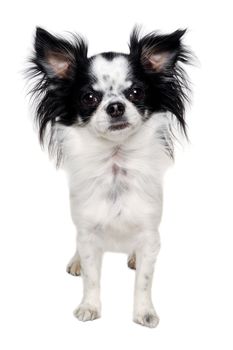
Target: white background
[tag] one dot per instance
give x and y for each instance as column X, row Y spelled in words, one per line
column 192, row 288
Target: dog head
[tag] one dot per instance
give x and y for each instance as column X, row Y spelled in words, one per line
column 111, row 93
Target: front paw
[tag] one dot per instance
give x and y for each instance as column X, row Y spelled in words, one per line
column 147, row 318
column 87, row 312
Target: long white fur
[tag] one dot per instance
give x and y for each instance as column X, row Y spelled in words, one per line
column 115, row 181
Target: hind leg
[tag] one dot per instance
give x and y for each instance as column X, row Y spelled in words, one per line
column 74, row 265
column 132, row 261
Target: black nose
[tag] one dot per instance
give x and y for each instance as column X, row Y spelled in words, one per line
column 116, row 109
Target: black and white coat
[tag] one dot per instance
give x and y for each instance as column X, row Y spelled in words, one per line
column 109, row 118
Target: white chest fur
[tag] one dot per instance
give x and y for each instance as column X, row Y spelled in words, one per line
column 115, row 189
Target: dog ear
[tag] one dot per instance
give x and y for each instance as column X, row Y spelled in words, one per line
column 56, row 57
column 157, row 53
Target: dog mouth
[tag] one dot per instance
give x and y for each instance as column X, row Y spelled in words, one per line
column 119, row 126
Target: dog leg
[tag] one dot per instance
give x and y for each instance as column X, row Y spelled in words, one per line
column 144, row 312
column 74, row 265
column 91, row 258
column 132, row 261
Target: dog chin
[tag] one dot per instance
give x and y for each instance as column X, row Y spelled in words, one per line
column 118, row 132
column 119, row 126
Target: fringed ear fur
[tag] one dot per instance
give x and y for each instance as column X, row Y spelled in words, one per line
column 157, row 57
column 55, row 66
column 57, row 57
column 157, row 53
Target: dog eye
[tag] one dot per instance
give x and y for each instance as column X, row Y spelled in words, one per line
column 135, row 94
column 90, row 99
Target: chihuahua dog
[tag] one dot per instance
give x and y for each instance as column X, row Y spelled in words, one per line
column 109, row 122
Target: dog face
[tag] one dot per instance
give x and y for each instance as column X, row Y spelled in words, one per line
column 118, row 97
column 112, row 94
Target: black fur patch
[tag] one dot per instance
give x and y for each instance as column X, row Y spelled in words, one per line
column 166, row 90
